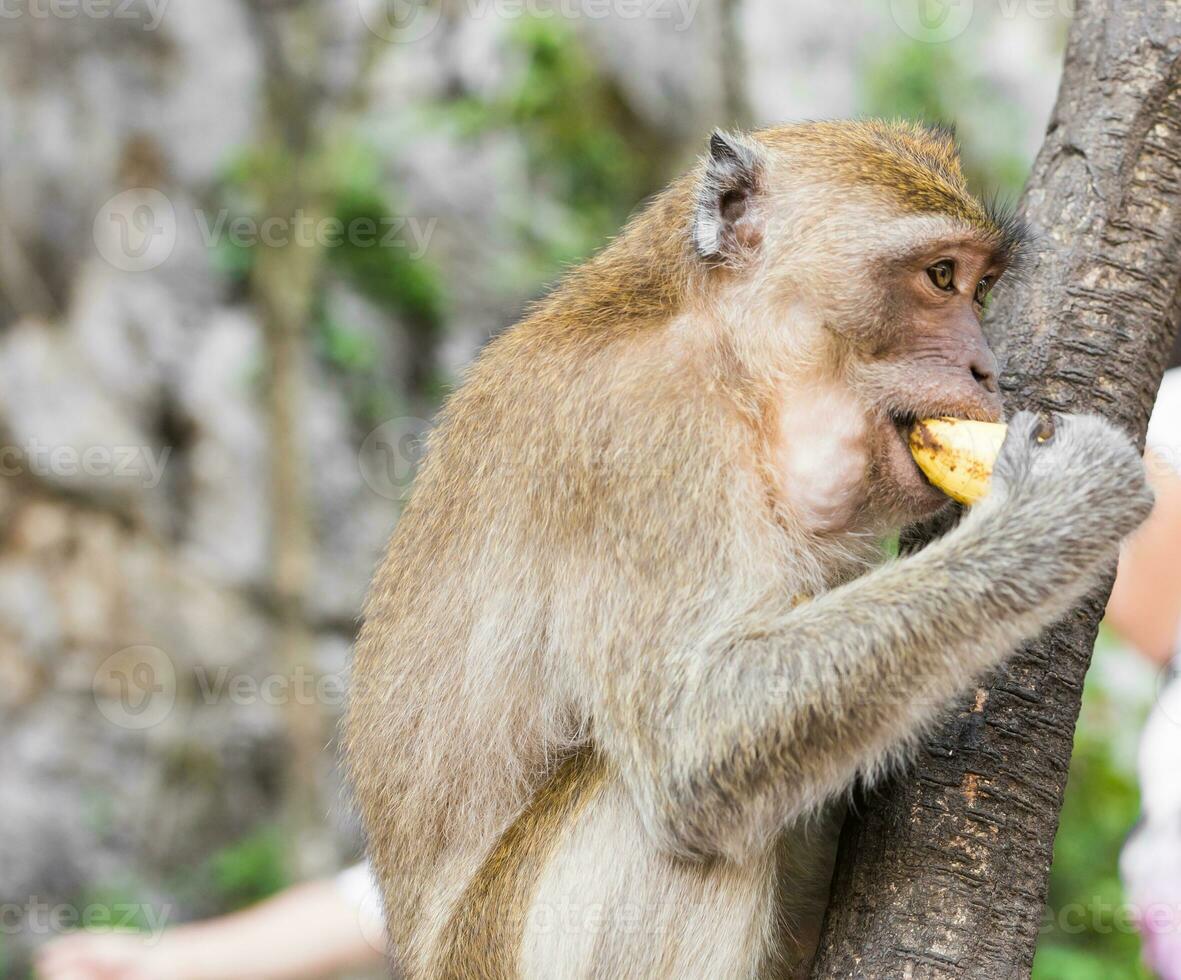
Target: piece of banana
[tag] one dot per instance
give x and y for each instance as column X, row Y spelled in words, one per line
column 957, row 455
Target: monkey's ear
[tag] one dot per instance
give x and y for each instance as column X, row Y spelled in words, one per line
column 726, row 222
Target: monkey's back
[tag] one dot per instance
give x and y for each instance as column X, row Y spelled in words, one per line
column 462, row 700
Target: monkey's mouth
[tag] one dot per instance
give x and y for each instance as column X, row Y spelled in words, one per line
column 903, row 422
column 927, row 397
column 903, row 471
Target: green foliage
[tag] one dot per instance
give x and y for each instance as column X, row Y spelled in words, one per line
column 1068, row 963
column 247, row 871
column 389, row 276
column 348, row 181
column 587, row 162
column 366, row 246
column 1086, row 932
column 250, row 870
column 240, row 193
column 569, row 117
column 347, row 348
column 353, row 354
column 114, row 905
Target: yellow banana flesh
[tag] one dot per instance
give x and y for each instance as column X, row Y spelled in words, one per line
column 957, row 455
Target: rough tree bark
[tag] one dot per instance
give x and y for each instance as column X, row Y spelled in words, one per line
column 943, row 873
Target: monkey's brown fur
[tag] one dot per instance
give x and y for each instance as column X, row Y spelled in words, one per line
column 593, row 732
column 504, row 882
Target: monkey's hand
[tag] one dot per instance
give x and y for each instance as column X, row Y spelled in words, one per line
column 1069, row 490
column 834, row 688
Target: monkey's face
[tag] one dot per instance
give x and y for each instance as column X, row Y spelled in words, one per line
column 896, row 337
column 852, row 266
column 923, row 354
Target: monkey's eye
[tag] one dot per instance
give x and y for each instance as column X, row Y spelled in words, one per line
column 982, row 288
column 943, row 275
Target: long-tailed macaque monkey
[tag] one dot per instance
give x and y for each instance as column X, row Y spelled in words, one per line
column 635, row 638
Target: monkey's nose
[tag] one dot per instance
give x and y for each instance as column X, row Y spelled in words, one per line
column 984, row 368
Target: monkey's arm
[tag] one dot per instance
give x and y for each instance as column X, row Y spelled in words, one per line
column 787, row 710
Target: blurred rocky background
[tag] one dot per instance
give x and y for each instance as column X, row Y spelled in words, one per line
column 245, row 247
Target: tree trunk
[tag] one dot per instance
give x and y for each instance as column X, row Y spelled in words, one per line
column 943, row 873
column 293, row 38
